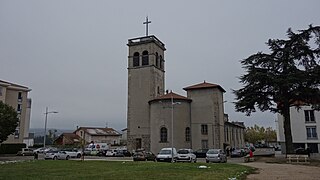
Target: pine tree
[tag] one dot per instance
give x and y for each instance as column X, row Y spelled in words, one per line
column 287, row 76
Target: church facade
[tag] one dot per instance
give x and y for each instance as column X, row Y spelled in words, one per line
column 158, row 119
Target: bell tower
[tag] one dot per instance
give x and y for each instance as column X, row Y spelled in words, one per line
column 145, row 82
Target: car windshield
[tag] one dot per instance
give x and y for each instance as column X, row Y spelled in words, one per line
column 213, row 151
column 183, row 151
column 165, row 152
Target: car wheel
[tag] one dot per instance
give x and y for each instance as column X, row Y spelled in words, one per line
column 55, row 158
column 207, row 161
column 78, row 155
column 67, row 158
column 195, row 160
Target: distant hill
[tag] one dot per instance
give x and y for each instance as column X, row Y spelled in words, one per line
column 40, row 132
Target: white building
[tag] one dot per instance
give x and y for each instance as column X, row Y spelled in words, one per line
column 305, row 123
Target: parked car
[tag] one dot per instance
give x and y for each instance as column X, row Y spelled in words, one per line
column 186, row 155
column 55, row 155
column 144, row 156
column 39, row 150
column 73, row 153
column 201, row 153
column 237, row 153
column 167, row 155
column 216, row 155
column 126, row 153
column 25, row 152
column 301, row 150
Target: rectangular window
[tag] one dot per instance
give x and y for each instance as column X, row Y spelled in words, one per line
column 204, row 129
column 19, row 108
column 309, row 116
column 20, row 96
column 0, row 91
column 204, row 144
column 312, row 132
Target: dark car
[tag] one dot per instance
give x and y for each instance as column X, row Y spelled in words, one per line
column 237, row 153
column 201, row 153
column 301, row 150
column 144, row 156
column 126, row 153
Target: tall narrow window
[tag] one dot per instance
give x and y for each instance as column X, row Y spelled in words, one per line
column 20, row 96
column 163, row 134
column 157, row 60
column 312, row 132
column 0, row 91
column 204, row 129
column 309, row 116
column 188, row 135
column 19, row 108
column 145, row 58
column 136, row 58
column 161, row 61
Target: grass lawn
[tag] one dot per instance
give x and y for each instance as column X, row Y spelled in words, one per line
column 120, row 170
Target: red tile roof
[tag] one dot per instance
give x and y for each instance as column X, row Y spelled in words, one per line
column 204, row 85
column 170, row 95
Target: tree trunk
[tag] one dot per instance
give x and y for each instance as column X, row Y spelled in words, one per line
column 287, row 128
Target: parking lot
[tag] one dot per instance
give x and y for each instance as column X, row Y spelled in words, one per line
column 88, row 158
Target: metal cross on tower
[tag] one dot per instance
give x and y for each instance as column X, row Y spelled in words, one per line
column 146, row 23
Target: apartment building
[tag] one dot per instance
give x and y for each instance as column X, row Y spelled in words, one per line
column 17, row 96
column 305, row 123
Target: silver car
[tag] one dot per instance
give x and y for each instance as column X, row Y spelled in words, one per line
column 186, row 155
column 55, row 155
column 216, row 155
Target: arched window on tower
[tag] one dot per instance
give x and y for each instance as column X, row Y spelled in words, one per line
column 163, row 134
column 161, row 61
column 157, row 60
column 188, row 134
column 145, row 58
column 136, row 57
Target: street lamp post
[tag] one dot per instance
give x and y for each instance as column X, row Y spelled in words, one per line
column 172, row 106
column 45, row 125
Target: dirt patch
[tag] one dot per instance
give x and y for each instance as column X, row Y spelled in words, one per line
column 278, row 169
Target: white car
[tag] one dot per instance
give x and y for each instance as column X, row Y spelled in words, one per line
column 216, row 155
column 167, row 155
column 55, row 155
column 73, row 153
column 186, row 155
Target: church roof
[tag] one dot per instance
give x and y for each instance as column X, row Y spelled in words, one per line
column 96, row 131
column 204, row 85
column 170, row 95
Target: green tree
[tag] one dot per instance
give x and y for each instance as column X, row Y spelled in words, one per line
column 285, row 77
column 257, row 134
column 8, row 121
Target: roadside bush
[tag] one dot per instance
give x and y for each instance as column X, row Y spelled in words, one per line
column 11, row 148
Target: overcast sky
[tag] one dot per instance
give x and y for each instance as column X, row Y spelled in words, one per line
column 73, row 53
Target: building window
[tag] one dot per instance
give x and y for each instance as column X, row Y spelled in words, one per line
column 312, row 132
column 20, row 96
column 161, row 60
column 188, row 134
column 204, row 144
column 19, row 108
column 204, row 129
column 157, row 59
column 163, row 134
column 309, row 116
column 145, row 58
column 0, row 91
column 136, row 58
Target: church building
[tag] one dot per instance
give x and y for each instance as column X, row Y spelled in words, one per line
column 158, row 119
